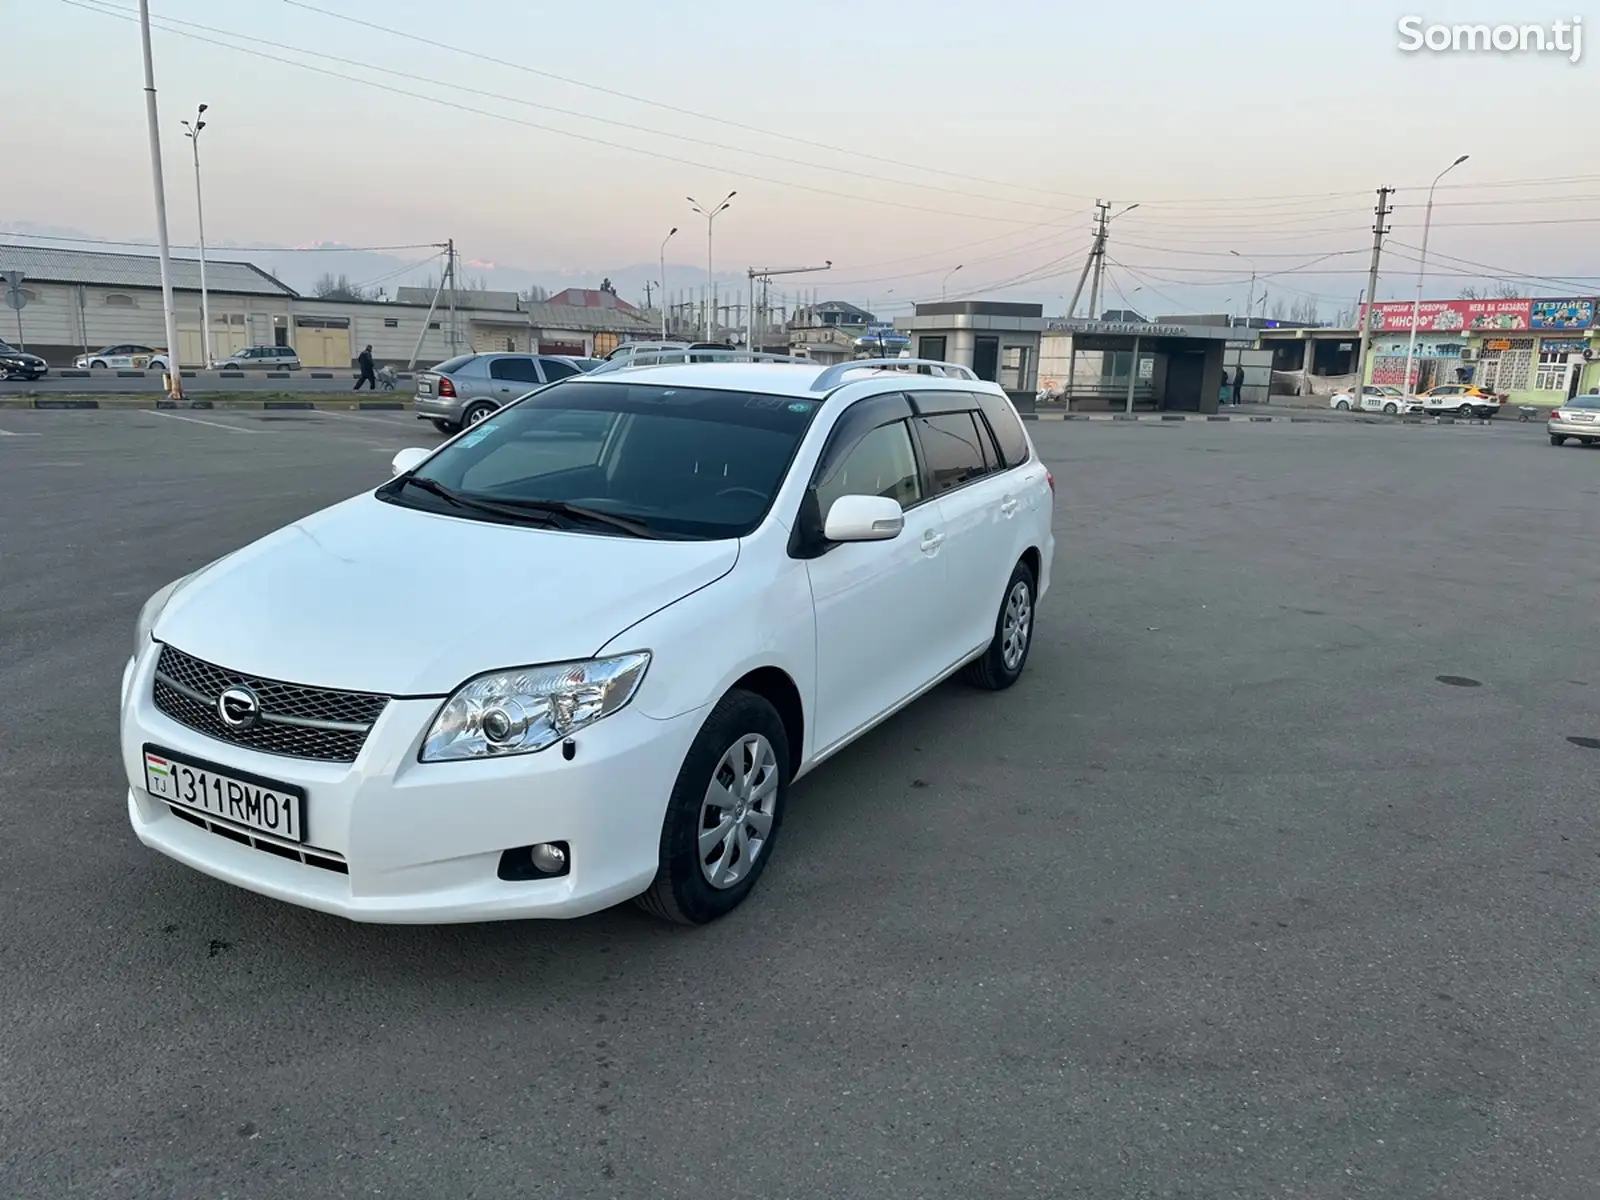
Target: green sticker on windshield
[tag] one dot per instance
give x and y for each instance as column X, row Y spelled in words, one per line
column 478, row 434
column 800, row 406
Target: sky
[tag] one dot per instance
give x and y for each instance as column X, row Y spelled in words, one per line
column 897, row 140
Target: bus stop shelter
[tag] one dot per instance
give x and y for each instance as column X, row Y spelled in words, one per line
column 1122, row 364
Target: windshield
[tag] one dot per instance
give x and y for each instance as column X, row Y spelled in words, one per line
column 678, row 462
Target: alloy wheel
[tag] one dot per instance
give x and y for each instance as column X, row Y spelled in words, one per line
column 1017, row 625
column 736, row 814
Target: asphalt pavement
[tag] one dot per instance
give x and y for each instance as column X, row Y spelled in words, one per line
column 1274, row 876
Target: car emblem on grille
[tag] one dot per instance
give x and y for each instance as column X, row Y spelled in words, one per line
column 239, row 708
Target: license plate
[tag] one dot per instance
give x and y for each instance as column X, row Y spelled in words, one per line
column 424, row 387
column 259, row 804
column 1582, row 417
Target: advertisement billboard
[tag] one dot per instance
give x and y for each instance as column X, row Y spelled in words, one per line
column 1468, row 316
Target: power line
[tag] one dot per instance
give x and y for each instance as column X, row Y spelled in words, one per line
column 478, row 56
column 1506, row 272
column 465, row 89
column 567, row 133
column 213, row 246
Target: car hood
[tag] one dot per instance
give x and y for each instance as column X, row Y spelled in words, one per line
column 20, row 357
column 371, row 596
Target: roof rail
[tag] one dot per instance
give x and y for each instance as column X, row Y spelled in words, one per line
column 653, row 358
column 830, row 378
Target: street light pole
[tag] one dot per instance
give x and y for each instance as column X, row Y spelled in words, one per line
column 192, row 132
column 710, row 216
column 944, row 285
column 1250, row 301
column 1422, row 267
column 663, row 281
column 174, row 371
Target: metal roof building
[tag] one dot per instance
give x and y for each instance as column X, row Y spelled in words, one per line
column 46, row 264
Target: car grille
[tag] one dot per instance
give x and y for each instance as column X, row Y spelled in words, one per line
column 296, row 721
column 327, row 860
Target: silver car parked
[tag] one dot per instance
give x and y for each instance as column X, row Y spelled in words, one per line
column 464, row 390
column 1578, row 419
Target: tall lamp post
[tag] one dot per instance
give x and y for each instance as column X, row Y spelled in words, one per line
column 192, row 132
column 174, row 372
column 944, row 285
column 710, row 215
column 1422, row 267
column 663, row 281
column 1250, row 300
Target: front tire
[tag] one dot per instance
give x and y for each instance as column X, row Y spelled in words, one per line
column 724, row 814
column 97, row 365
column 1001, row 664
column 1342, row 406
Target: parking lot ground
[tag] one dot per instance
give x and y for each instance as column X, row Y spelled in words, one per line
column 1274, row 876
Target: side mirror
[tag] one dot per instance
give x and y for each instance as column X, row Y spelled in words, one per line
column 408, row 459
column 864, row 519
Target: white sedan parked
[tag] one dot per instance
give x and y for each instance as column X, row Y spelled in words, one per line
column 651, row 597
column 1377, row 398
column 124, row 357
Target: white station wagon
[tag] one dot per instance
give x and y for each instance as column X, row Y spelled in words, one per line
column 698, row 582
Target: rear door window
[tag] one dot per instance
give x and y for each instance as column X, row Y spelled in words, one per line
column 555, row 369
column 1007, row 427
column 521, row 370
column 953, row 449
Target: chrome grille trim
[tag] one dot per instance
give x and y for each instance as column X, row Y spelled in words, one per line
column 296, row 721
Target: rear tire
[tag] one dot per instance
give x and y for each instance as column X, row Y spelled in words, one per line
column 1464, row 411
column 476, row 412
column 445, row 427
column 1557, row 440
column 1001, row 664
column 740, row 757
column 1390, row 409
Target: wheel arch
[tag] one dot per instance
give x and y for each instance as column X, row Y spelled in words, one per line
column 778, row 688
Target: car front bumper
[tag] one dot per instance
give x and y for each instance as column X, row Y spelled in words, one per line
column 422, row 842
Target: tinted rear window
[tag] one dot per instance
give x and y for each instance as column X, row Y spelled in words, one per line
column 1007, row 428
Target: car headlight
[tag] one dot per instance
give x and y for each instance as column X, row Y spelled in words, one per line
column 526, row 709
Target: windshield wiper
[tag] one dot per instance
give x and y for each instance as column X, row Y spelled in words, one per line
column 561, row 508
column 451, row 496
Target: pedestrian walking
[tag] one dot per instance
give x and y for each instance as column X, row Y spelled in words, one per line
column 1238, row 385
column 368, row 376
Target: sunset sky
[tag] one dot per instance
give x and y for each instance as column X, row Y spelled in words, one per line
column 897, row 139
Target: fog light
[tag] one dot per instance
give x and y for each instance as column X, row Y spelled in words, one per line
column 549, row 858
column 543, row 860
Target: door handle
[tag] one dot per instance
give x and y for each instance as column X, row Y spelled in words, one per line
column 931, row 541
column 1009, row 507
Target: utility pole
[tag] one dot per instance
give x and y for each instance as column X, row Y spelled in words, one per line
column 174, row 369
column 450, row 273
column 1099, row 259
column 1378, row 230
column 1092, row 261
column 647, row 286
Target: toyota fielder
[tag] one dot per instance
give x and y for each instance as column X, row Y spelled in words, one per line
column 577, row 654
